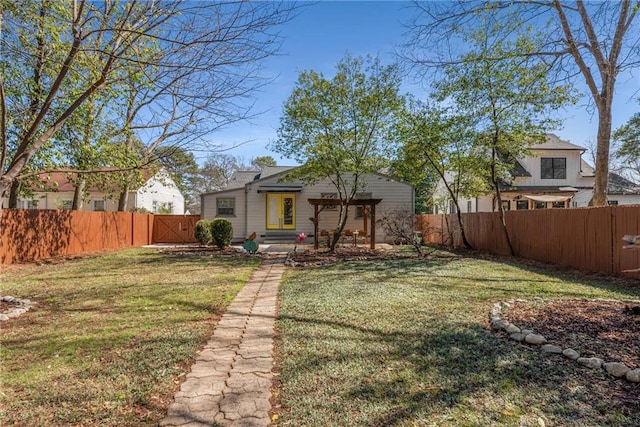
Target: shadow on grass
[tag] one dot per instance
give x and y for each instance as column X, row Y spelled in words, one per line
column 384, row 365
column 409, row 375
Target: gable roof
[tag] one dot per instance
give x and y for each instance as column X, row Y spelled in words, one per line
column 620, row 185
column 241, row 178
column 553, row 142
column 62, row 182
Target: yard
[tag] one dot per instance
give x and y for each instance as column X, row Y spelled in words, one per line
column 375, row 342
column 110, row 337
column 407, row 343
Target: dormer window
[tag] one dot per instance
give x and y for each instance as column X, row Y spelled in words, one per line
column 553, row 168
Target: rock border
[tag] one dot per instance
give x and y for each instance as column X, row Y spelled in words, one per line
column 20, row 306
column 528, row 336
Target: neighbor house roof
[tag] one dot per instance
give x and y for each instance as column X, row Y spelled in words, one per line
column 620, row 185
column 553, row 142
column 64, row 181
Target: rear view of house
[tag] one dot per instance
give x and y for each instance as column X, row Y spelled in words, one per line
column 261, row 202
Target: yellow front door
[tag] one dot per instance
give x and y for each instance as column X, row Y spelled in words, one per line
column 281, row 211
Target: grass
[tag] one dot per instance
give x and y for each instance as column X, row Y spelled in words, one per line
column 405, row 343
column 110, row 337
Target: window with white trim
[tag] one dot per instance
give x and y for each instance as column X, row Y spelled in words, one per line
column 225, row 206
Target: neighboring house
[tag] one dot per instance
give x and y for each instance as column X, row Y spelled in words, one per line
column 554, row 175
column 158, row 194
column 258, row 202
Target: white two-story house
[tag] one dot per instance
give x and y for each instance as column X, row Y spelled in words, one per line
column 553, row 175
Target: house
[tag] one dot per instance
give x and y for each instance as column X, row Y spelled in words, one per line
column 553, row 175
column 260, row 202
column 158, row 194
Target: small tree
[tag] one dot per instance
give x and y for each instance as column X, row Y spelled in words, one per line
column 400, row 224
column 221, row 232
column 202, row 231
column 341, row 128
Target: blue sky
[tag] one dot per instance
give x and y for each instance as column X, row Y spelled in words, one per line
column 324, row 32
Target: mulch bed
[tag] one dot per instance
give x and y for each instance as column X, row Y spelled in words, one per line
column 609, row 330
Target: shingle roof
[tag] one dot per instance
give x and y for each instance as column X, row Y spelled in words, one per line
column 553, row 142
column 620, row 185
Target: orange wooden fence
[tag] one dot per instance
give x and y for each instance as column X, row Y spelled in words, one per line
column 174, row 228
column 28, row 235
column 587, row 239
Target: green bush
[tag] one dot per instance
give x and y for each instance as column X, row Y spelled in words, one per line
column 221, row 232
column 202, row 231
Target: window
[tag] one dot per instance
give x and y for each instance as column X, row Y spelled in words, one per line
column 553, row 168
column 225, row 206
column 361, row 209
column 469, row 206
column 452, row 207
column 612, row 202
column 66, row 204
column 540, row 205
column 98, row 205
column 558, row 205
column 506, row 205
column 32, row 204
column 154, row 206
column 435, row 210
column 329, row 196
column 522, row 205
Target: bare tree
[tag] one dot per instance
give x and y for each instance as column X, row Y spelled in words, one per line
column 182, row 69
column 595, row 42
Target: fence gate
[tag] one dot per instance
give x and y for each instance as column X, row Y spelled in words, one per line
column 174, row 228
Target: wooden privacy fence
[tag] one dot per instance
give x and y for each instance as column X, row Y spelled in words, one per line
column 174, row 228
column 29, row 235
column 587, row 239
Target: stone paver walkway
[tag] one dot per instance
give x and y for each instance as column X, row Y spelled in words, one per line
column 229, row 385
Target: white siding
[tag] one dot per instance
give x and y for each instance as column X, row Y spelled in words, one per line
column 624, row 199
column 394, row 195
column 209, row 210
column 159, row 191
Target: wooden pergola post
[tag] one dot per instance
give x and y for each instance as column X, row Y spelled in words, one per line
column 368, row 203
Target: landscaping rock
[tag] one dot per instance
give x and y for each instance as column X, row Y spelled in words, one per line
column 633, row 375
column 535, row 339
column 616, row 369
column 499, row 324
column 518, row 336
column 550, row 348
column 570, row 353
column 527, row 331
column 511, row 328
column 590, row 362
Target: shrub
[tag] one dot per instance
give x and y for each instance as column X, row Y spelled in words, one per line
column 221, row 232
column 202, row 231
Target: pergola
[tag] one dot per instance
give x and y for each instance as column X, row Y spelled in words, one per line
column 320, row 204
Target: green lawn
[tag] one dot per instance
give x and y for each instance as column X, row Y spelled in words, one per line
column 405, row 343
column 111, row 336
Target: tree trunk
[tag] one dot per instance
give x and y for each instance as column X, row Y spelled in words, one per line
column 496, row 186
column 14, row 193
column 599, row 197
column 462, row 233
column 344, row 215
column 123, row 200
column 78, row 194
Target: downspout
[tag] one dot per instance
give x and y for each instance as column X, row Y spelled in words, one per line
column 246, row 207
